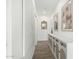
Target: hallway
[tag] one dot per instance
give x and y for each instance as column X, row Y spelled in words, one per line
column 39, row 29
column 43, row 51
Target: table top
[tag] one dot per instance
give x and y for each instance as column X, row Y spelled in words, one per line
column 62, row 38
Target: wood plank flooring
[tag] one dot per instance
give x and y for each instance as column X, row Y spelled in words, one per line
column 42, row 51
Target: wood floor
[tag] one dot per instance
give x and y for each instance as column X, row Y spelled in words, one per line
column 42, row 51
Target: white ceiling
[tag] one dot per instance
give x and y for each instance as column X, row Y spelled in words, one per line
column 45, row 7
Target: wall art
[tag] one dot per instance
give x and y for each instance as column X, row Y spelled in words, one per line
column 67, row 16
column 56, row 22
column 44, row 25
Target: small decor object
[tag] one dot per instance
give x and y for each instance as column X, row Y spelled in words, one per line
column 56, row 22
column 51, row 31
column 44, row 25
column 67, row 18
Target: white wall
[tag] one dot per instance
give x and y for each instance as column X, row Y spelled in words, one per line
column 67, row 34
column 42, row 34
column 29, row 28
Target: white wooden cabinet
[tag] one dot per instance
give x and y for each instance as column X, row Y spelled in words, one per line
column 62, row 48
column 14, row 46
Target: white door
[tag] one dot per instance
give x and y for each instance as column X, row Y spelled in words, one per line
column 14, row 40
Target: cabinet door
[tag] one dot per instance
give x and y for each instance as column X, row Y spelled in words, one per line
column 17, row 28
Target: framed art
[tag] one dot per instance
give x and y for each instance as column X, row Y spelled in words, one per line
column 56, row 22
column 44, row 25
column 67, row 18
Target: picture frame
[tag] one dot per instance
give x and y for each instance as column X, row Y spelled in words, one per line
column 67, row 17
column 44, row 25
column 56, row 22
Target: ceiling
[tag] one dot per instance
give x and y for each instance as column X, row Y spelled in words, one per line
column 45, row 7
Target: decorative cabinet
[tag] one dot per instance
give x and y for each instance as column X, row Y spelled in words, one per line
column 61, row 49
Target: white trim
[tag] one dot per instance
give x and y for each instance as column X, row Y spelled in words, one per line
column 23, row 27
column 8, row 28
